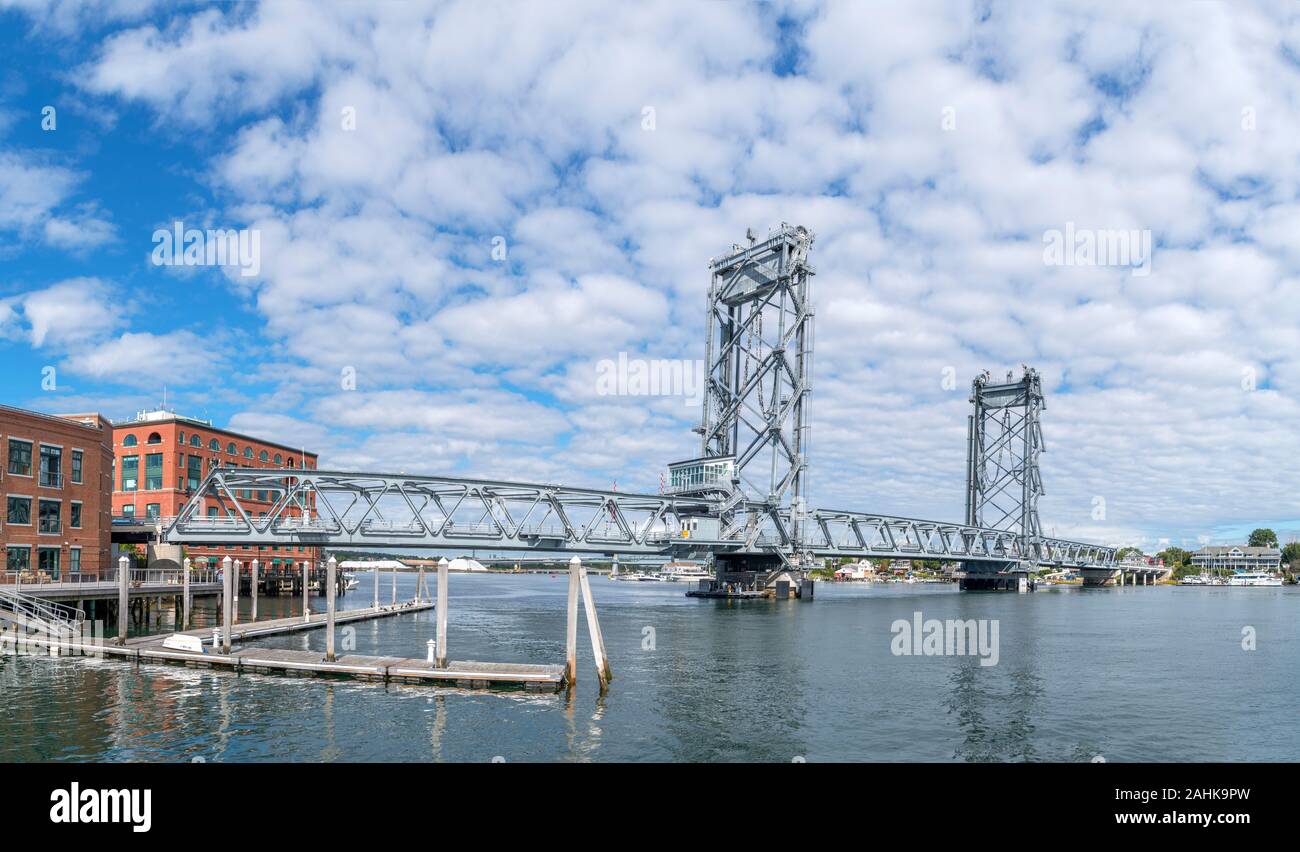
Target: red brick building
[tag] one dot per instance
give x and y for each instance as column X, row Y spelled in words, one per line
column 56, row 482
column 162, row 458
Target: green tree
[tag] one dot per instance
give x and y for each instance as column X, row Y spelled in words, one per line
column 1174, row 557
column 1262, row 538
column 1291, row 553
column 1125, row 551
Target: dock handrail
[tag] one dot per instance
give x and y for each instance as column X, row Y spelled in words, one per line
column 55, row 615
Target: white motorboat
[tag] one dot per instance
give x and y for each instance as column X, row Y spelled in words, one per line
column 687, row 572
column 1254, row 578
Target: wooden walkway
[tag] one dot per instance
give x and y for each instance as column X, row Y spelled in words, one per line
column 464, row 674
column 292, row 624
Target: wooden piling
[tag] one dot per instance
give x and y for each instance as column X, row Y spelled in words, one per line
column 603, row 672
column 306, row 605
column 394, row 585
column 187, row 600
column 123, row 586
column 256, row 565
column 571, row 633
column 441, row 614
column 331, row 573
column 227, row 602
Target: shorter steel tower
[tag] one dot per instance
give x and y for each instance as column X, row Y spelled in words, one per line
column 1003, row 442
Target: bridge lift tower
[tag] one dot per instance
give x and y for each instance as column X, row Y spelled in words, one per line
column 754, row 425
column 1004, row 439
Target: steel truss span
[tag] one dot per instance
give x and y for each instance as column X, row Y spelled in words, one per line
column 866, row 535
column 337, row 509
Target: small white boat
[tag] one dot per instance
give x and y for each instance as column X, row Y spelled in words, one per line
column 350, row 581
column 1254, row 578
column 685, row 573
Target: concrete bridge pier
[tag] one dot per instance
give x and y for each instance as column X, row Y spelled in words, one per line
column 1099, row 576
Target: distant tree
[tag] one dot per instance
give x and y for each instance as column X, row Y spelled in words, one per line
column 1262, row 538
column 1125, row 551
column 1291, row 554
column 1174, row 557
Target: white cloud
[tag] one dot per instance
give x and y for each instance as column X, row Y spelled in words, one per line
column 33, row 193
column 144, row 358
column 478, row 120
column 69, row 312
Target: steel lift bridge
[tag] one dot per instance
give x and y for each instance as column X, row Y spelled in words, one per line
column 740, row 502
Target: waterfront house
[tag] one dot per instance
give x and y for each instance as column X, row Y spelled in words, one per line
column 1235, row 557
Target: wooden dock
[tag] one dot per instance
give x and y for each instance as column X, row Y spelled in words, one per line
column 435, row 669
column 463, row 674
column 292, row 624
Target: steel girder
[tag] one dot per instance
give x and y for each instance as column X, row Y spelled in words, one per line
column 861, row 534
column 339, row 509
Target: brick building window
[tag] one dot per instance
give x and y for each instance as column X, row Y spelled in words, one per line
column 153, row 472
column 77, row 461
column 20, row 457
column 74, row 561
column 49, row 516
column 48, row 561
column 153, row 511
column 17, row 558
column 74, row 516
column 19, row 511
column 51, row 467
column 194, row 473
column 130, row 473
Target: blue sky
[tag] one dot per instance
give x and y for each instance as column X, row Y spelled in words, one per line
column 930, row 146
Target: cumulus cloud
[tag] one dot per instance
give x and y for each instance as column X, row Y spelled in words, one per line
column 523, row 190
column 32, row 204
column 69, row 312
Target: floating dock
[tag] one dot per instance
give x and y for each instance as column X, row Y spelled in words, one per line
column 463, row 674
column 61, row 638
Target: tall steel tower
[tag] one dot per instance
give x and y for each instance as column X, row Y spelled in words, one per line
column 754, row 425
column 1004, row 440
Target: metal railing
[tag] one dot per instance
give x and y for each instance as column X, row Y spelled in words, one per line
column 139, row 577
column 51, row 614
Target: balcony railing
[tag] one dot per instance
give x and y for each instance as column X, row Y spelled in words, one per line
column 51, row 479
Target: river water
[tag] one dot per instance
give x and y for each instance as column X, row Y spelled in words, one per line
column 1148, row 673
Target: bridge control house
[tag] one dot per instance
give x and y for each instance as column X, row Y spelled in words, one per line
column 162, row 458
column 56, row 480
